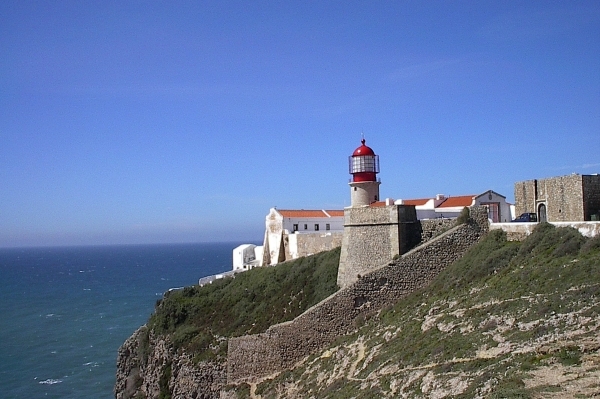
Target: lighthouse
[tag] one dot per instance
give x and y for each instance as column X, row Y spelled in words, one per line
column 364, row 166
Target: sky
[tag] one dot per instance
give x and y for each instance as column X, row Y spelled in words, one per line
column 131, row 122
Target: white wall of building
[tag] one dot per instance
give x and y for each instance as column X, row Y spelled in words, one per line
column 505, row 214
column 336, row 223
column 247, row 256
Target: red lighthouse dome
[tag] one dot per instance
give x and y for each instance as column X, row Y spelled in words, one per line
column 363, row 164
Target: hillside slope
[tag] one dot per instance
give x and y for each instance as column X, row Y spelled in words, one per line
column 509, row 320
column 181, row 352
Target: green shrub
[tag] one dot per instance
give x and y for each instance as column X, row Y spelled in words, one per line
column 553, row 241
column 464, row 217
column 570, row 356
column 591, row 245
column 510, row 387
column 568, row 240
column 249, row 303
column 143, row 348
column 492, row 254
column 163, row 382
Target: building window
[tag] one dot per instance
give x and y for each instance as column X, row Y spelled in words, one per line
column 327, row 226
column 295, row 227
column 305, row 227
column 316, row 227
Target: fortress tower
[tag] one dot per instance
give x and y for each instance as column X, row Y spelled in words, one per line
column 364, row 166
column 373, row 232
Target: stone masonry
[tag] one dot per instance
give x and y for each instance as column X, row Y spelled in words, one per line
column 281, row 346
column 565, row 198
column 373, row 236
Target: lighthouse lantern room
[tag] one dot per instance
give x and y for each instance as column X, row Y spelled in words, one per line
column 364, row 166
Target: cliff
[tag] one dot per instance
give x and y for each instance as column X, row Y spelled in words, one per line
column 149, row 367
column 506, row 320
column 181, row 352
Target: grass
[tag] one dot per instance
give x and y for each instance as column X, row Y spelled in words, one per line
column 200, row 319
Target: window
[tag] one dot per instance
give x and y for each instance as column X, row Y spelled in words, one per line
column 327, row 226
column 316, row 226
column 364, row 163
column 305, row 227
column 295, row 228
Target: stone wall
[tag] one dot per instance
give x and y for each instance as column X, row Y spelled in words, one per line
column 431, row 228
column 525, row 196
column 567, row 198
column 564, row 198
column 373, row 236
column 281, row 346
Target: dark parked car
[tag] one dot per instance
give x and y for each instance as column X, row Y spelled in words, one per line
column 526, row 217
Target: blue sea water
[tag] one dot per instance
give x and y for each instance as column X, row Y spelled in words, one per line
column 65, row 311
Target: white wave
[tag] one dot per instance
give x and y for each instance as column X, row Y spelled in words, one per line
column 50, row 381
column 92, row 364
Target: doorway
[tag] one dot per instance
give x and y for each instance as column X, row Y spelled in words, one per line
column 542, row 213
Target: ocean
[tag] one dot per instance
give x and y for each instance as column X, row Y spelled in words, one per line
column 65, row 311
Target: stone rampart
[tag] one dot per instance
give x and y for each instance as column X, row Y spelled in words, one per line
column 373, row 236
column 431, row 228
column 282, row 345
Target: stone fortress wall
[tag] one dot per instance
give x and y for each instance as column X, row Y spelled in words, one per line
column 566, row 198
column 281, row 346
column 374, row 235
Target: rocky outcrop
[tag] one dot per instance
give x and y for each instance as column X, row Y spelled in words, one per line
column 148, row 365
column 128, row 375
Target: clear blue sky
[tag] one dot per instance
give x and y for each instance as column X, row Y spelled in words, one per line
column 185, row 121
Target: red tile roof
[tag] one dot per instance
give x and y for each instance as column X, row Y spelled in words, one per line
column 307, row 213
column 335, row 212
column 378, row 203
column 462, row 200
column 416, row 202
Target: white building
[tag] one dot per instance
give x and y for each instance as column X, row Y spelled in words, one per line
column 442, row 206
column 247, row 256
column 292, row 233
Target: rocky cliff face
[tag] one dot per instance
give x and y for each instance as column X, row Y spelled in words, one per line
column 148, row 367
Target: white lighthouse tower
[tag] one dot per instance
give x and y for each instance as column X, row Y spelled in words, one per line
column 364, row 166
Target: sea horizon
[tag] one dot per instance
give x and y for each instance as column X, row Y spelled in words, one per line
column 67, row 309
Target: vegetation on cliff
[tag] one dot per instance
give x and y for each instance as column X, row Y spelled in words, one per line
column 509, row 319
column 200, row 319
